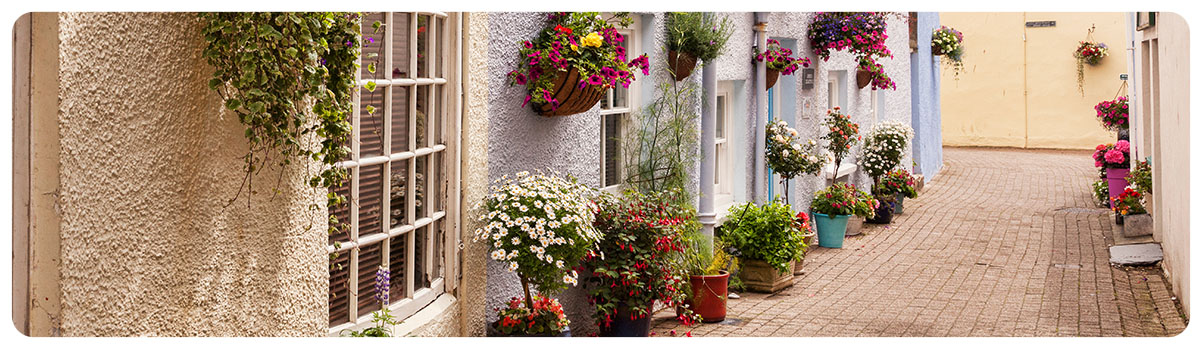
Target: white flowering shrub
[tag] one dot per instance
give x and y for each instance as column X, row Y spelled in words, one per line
column 883, row 148
column 787, row 155
column 540, row 226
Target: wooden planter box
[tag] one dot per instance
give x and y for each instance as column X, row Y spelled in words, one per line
column 760, row 277
column 571, row 98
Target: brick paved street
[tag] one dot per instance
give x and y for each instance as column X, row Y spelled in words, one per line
column 1003, row 242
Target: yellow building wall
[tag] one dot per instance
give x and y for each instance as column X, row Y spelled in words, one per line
column 1018, row 86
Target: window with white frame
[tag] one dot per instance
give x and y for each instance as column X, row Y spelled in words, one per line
column 721, row 179
column 834, row 92
column 403, row 157
column 615, row 108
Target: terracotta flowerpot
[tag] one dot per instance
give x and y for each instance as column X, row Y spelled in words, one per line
column 863, row 78
column 571, row 98
column 758, row 276
column 772, row 77
column 709, row 294
column 681, row 63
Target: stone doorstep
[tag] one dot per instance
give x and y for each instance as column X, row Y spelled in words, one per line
column 1135, row 254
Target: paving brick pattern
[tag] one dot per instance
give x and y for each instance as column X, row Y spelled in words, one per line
column 1003, row 242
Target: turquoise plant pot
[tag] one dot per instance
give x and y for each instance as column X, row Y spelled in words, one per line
column 831, row 230
column 899, row 208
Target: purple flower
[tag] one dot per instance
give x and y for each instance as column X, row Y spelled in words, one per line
column 383, row 284
column 595, row 80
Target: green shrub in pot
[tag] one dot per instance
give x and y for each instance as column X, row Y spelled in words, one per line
column 765, row 233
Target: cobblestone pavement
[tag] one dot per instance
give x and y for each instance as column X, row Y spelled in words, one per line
column 1002, row 242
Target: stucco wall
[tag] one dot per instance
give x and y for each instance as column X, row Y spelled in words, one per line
column 1019, row 85
column 472, row 291
column 150, row 160
column 520, row 140
column 926, row 99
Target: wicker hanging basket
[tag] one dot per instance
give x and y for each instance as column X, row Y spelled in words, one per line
column 863, row 78
column 772, row 77
column 682, row 63
column 572, row 99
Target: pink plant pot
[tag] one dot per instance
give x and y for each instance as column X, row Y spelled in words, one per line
column 1116, row 183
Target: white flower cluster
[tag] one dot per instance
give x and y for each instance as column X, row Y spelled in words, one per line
column 532, row 215
column 787, row 155
column 884, row 147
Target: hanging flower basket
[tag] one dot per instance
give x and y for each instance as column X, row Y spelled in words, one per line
column 863, row 78
column 772, row 77
column 682, row 63
column 571, row 96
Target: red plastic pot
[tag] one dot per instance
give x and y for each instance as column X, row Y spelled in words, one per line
column 709, row 294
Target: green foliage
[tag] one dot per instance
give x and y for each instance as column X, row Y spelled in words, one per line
column 706, row 257
column 1141, row 177
column 383, row 320
column 844, row 199
column 639, row 260
column 769, row 233
column 289, row 76
column 1100, row 191
column 698, row 34
column 660, row 151
column 895, row 183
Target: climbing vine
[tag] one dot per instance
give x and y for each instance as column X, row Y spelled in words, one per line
column 288, row 76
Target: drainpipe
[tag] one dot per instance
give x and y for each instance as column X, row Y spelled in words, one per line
column 760, row 110
column 708, row 144
column 1140, row 144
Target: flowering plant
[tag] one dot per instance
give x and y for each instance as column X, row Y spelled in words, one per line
column 1112, row 155
column 789, row 157
column 539, row 224
column 1140, row 177
column 1114, row 114
column 897, row 183
column 640, row 258
column 1129, row 203
column 383, row 317
column 862, row 33
column 584, row 41
column 1090, row 52
column 842, row 134
column 698, row 34
column 769, row 233
column 779, row 58
column 543, row 316
column 948, row 42
column 884, row 147
column 844, row 199
column 1100, row 191
column 879, row 79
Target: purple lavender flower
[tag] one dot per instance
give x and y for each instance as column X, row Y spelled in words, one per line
column 383, row 284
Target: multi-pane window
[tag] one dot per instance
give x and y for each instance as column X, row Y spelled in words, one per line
column 402, row 156
column 720, row 173
column 615, row 108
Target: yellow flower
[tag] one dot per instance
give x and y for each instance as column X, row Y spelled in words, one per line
column 593, row 40
column 574, row 47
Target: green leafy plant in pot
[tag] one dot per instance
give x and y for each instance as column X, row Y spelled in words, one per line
column 709, row 265
column 832, row 207
column 638, row 260
column 693, row 36
column 768, row 241
column 540, row 227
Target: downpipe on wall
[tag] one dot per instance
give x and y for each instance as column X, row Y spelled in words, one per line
column 760, row 110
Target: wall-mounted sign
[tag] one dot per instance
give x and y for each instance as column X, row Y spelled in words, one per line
column 808, row 78
column 1124, row 76
column 1039, row 24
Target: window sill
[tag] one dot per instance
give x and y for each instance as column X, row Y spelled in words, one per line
column 427, row 315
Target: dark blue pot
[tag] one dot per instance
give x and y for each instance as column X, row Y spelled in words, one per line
column 622, row 326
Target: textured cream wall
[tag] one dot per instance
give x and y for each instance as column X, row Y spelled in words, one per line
column 149, row 161
column 1004, row 60
column 473, row 286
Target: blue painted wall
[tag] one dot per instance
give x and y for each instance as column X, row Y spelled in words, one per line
column 926, row 100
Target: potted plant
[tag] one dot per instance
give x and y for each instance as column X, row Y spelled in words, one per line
column 1137, row 221
column 543, row 318
column 1114, row 158
column 787, row 156
column 540, row 227
column 832, row 207
column 779, row 60
column 693, row 36
column 841, row 136
column 883, row 148
column 768, row 241
column 1088, row 52
column 1114, row 114
column 870, row 73
column 947, row 42
column 1141, row 179
column 573, row 61
column 803, row 223
column 709, row 266
column 901, row 183
column 637, row 260
column 1100, row 191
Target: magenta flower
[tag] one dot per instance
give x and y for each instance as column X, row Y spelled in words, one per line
column 1114, row 156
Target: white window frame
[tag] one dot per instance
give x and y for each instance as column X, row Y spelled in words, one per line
column 632, row 99
column 721, row 181
column 448, row 45
column 834, row 85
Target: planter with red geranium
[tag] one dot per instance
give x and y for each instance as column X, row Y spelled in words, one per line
column 768, row 240
column 525, row 203
column 1114, row 158
column 832, row 208
column 779, row 60
column 635, row 263
column 1137, row 222
column 901, row 183
column 804, row 223
column 691, row 37
column 573, row 61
